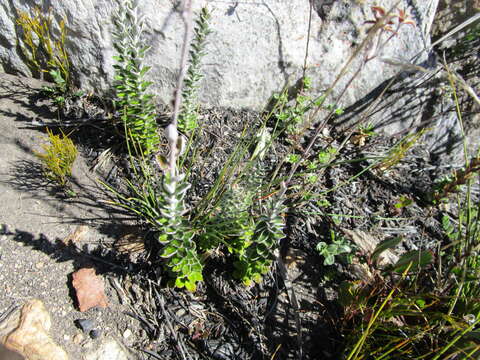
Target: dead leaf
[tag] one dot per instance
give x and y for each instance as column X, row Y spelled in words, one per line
column 361, row 270
column 367, row 244
column 89, row 288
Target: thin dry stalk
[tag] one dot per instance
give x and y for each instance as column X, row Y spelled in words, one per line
column 187, row 16
column 377, row 27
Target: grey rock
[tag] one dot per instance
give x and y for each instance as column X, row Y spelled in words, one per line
column 255, row 49
column 86, row 325
column 412, row 103
column 95, row 333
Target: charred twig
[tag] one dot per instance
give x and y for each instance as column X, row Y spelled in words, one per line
column 178, row 340
column 293, row 302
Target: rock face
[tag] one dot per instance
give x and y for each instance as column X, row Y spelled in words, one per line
column 256, row 48
column 451, row 13
column 416, row 100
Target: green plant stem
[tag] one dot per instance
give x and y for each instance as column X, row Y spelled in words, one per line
column 358, row 346
column 455, row 340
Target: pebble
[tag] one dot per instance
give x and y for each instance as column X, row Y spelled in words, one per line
column 3, row 229
column 127, row 333
column 39, row 265
column 95, row 333
column 78, row 338
column 86, row 325
column 180, row 312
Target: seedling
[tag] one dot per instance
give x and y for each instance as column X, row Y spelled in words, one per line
column 337, row 247
column 290, row 117
column 404, row 201
column 256, row 258
column 324, row 156
column 293, row 158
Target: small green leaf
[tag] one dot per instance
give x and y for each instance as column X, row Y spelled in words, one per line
column 179, row 283
column 195, row 276
column 323, row 157
column 403, row 202
column 321, row 246
column 247, row 281
column 190, row 286
column 342, row 248
column 329, row 260
column 420, row 303
column 457, row 270
column 169, row 251
column 413, row 260
column 144, row 70
column 163, row 239
column 385, row 245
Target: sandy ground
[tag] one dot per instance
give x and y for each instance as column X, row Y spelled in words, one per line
column 35, row 220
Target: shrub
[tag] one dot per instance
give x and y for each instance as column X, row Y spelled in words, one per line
column 58, row 157
column 45, row 53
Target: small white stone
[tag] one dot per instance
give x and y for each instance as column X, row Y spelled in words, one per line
column 180, row 312
column 109, row 349
column 127, row 333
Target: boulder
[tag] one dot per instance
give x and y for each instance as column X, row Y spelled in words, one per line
column 256, row 47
